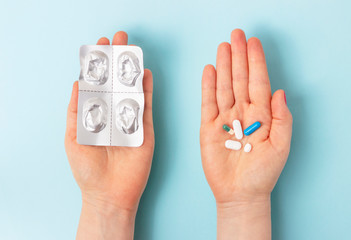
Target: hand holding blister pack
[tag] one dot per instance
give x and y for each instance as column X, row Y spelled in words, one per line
column 111, row 97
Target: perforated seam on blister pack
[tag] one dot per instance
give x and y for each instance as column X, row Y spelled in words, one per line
column 111, row 122
column 97, row 91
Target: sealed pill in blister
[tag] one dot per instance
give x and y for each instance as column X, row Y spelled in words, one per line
column 111, row 98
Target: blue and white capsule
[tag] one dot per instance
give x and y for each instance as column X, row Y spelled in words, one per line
column 252, row 128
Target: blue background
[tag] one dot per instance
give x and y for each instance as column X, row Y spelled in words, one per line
column 307, row 45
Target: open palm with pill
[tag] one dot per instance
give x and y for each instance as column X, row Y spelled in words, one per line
column 112, row 179
column 239, row 89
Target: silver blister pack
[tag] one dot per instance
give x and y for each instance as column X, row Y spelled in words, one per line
column 111, row 97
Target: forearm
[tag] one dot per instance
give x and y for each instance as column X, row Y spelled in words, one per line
column 244, row 220
column 105, row 222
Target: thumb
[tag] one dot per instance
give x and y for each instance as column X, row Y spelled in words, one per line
column 281, row 129
column 71, row 125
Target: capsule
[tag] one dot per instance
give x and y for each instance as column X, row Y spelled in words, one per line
column 234, row 145
column 237, row 129
column 252, row 128
column 228, row 129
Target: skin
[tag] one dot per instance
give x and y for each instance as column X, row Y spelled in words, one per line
column 111, row 179
column 239, row 88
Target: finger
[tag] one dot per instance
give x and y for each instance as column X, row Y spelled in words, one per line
column 225, row 96
column 120, row 38
column 148, row 89
column 71, row 124
column 281, row 129
column 209, row 109
column 240, row 69
column 103, row 41
column 259, row 86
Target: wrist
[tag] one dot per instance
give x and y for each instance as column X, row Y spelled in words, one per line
column 243, row 204
column 105, row 220
column 105, row 206
column 244, row 218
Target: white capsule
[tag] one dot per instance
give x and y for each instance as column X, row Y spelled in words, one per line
column 234, row 145
column 247, row 147
column 237, row 129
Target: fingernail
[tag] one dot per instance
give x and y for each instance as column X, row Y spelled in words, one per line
column 285, row 97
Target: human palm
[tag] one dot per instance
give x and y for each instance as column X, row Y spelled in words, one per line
column 111, row 175
column 239, row 88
